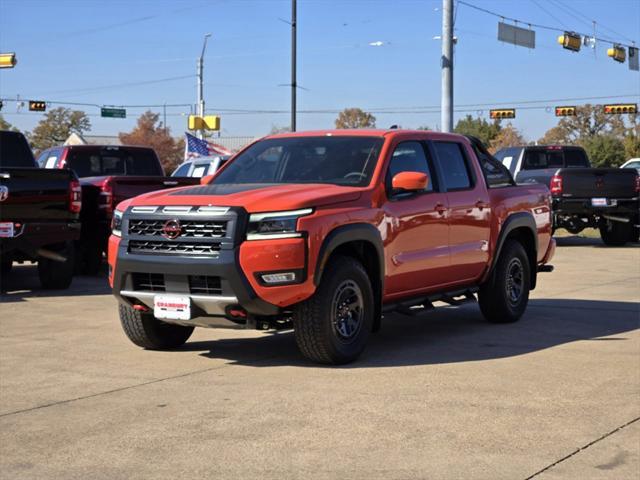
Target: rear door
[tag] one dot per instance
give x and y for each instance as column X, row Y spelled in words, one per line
column 469, row 210
column 416, row 240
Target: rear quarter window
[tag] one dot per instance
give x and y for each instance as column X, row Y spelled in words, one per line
column 576, row 157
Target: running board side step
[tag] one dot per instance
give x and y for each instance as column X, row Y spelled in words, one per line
column 421, row 305
column 545, row 268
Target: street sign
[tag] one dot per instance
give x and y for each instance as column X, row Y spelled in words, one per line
column 208, row 122
column 113, row 112
column 522, row 37
column 634, row 64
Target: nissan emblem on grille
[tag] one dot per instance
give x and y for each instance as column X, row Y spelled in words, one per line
column 4, row 193
column 171, row 229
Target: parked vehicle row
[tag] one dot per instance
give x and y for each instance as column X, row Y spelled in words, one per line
column 201, row 166
column 583, row 197
column 325, row 231
column 39, row 213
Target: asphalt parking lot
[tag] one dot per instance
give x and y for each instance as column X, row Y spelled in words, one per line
column 446, row 396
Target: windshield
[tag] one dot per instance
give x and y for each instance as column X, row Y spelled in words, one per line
column 94, row 162
column 323, row 159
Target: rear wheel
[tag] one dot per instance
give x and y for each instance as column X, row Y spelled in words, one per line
column 334, row 324
column 56, row 275
column 504, row 297
column 615, row 234
column 146, row 331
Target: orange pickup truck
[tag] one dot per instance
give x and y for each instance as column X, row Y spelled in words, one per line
column 325, row 232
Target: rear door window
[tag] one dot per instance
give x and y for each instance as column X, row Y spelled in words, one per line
column 92, row 162
column 538, row 159
column 453, row 165
column 575, row 157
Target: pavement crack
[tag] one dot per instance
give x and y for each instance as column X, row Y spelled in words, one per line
column 584, row 447
column 121, row 389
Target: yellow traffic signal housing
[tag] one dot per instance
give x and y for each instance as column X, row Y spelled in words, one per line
column 570, row 41
column 618, row 53
column 621, row 108
column 37, row 106
column 208, row 122
column 503, row 113
column 565, row 111
column 8, row 60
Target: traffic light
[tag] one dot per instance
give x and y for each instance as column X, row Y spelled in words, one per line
column 8, row 60
column 1, row 105
column 565, row 111
column 503, row 113
column 570, row 41
column 618, row 53
column 37, row 106
column 621, row 108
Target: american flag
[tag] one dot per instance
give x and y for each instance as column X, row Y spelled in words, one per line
column 195, row 147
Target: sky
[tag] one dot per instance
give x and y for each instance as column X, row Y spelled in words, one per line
column 144, row 52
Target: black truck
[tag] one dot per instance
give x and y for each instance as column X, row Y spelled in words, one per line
column 39, row 212
column 582, row 197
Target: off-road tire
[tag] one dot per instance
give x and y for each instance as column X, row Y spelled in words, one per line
column 314, row 320
column 615, row 234
column 494, row 296
column 56, row 275
column 144, row 330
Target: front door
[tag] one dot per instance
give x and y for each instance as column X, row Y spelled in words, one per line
column 416, row 228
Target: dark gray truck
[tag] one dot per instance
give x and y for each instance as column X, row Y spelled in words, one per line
column 583, row 197
column 39, row 212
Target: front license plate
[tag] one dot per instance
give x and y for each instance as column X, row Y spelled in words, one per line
column 599, row 202
column 172, row 307
column 6, row 230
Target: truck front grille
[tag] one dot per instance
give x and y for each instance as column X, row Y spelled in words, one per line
column 190, row 228
column 149, row 282
column 173, row 247
column 204, row 285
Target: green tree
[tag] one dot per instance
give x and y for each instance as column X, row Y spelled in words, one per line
column 4, row 125
column 508, row 136
column 355, row 118
column 478, row 127
column 56, row 126
column 604, row 150
column 589, row 121
column 150, row 132
column 632, row 146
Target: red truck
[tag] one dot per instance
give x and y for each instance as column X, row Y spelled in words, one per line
column 108, row 175
column 325, row 232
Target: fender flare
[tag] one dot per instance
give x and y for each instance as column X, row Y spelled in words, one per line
column 514, row 221
column 355, row 232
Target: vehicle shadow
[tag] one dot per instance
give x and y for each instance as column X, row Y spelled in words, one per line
column 578, row 241
column 449, row 335
column 22, row 283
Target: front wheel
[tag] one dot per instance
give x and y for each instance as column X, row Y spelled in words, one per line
column 615, row 234
column 504, row 297
column 143, row 329
column 333, row 325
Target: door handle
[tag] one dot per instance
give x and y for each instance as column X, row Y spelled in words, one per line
column 440, row 208
column 481, row 205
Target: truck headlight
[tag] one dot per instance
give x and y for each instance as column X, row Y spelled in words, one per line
column 116, row 223
column 263, row 226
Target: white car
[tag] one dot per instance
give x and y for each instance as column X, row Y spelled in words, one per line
column 633, row 163
column 201, row 166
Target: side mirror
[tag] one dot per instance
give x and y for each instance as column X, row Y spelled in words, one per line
column 410, row 182
column 206, row 179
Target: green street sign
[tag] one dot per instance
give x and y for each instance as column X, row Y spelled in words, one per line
column 113, row 112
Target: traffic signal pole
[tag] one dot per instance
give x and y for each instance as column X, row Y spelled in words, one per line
column 199, row 74
column 446, row 103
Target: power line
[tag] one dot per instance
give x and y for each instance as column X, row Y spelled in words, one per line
column 577, row 12
column 537, row 25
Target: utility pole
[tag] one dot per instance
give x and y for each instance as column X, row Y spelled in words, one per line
column 446, row 104
column 294, row 85
column 199, row 70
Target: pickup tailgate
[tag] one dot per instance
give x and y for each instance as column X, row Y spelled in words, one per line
column 598, row 182
column 35, row 194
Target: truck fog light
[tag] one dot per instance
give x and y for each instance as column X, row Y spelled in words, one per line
column 285, row 277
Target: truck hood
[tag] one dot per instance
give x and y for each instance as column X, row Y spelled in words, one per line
column 253, row 197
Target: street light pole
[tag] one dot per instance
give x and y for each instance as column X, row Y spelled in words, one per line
column 294, row 85
column 446, row 103
column 199, row 73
